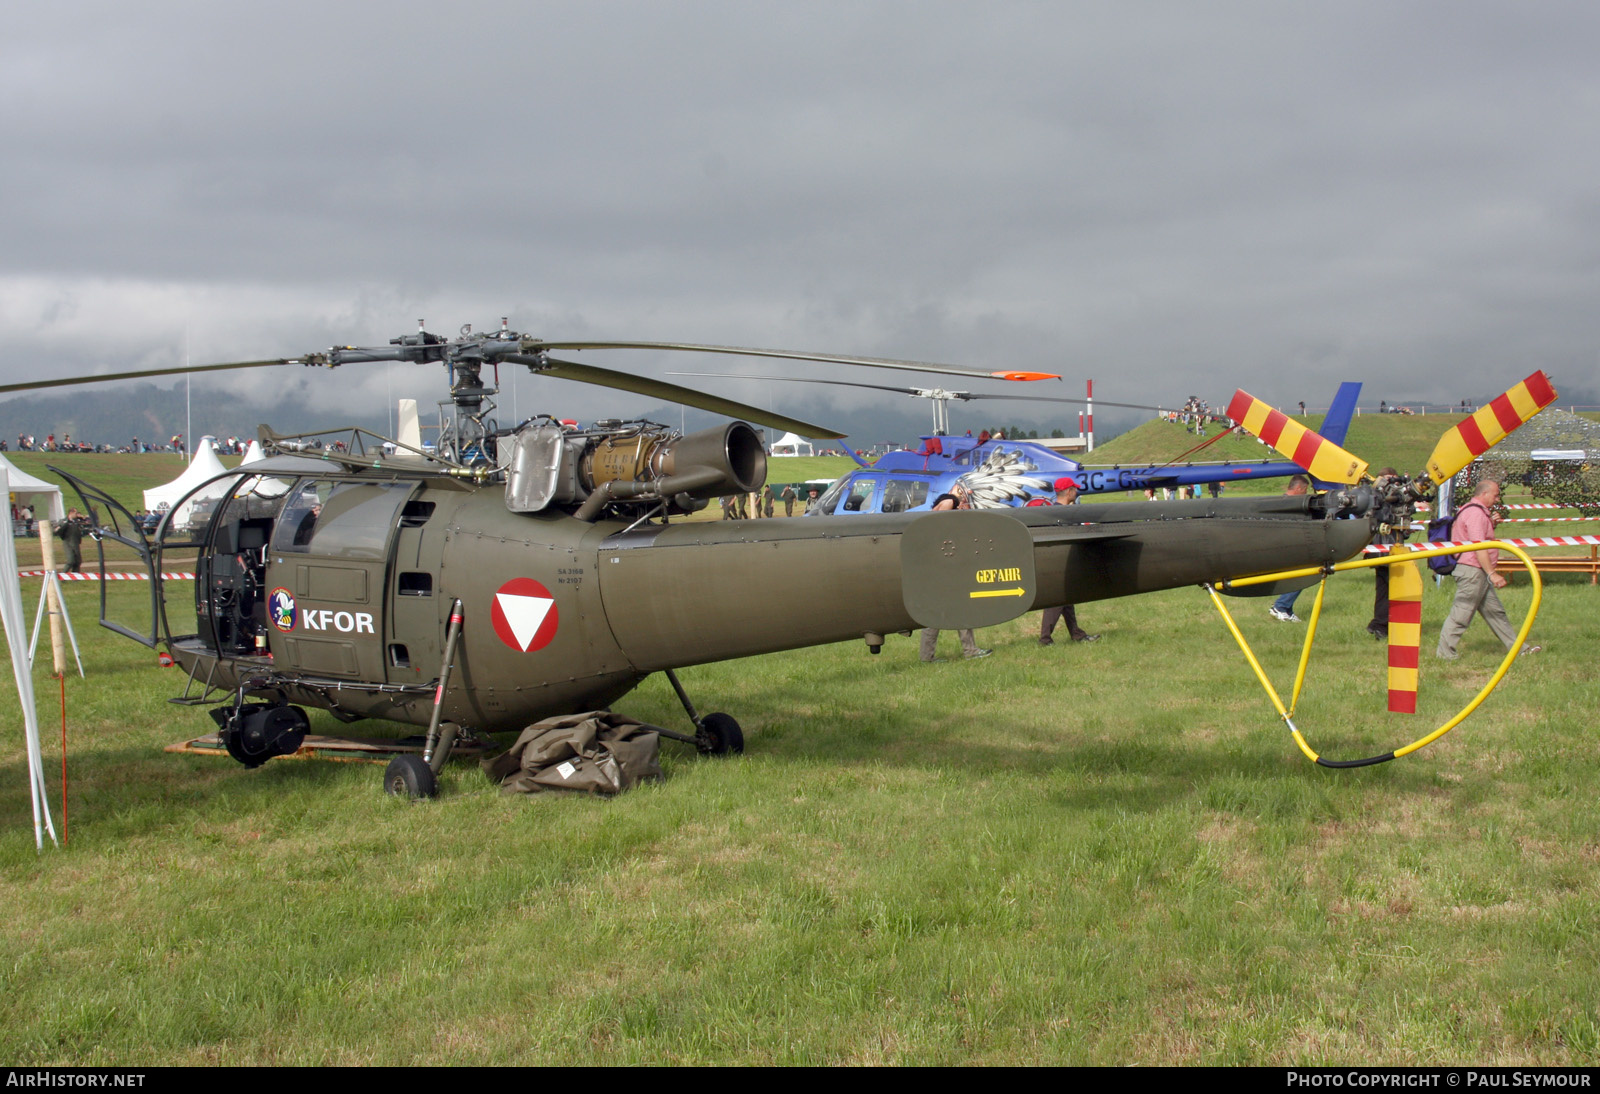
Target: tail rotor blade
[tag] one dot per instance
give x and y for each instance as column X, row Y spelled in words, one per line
column 1405, row 635
column 1491, row 424
column 1325, row 460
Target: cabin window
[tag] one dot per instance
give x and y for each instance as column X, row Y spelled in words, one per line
column 415, row 584
column 416, row 514
column 898, row 496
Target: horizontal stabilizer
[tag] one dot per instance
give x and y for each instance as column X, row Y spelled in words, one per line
column 1078, row 533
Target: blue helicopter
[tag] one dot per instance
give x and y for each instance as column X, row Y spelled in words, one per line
column 1001, row 472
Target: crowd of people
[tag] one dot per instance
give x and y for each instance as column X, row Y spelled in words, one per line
column 762, row 503
column 28, row 442
column 1195, row 416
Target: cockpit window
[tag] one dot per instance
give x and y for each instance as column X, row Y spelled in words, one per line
column 860, row 499
column 340, row 519
column 830, row 497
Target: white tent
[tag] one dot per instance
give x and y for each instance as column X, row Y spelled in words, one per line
column 261, row 487
column 30, row 491
column 790, row 445
column 203, row 466
column 22, row 671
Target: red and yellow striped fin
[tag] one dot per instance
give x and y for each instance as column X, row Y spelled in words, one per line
column 1318, row 455
column 1405, row 635
column 1474, row 436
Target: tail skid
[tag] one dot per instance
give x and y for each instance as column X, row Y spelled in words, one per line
column 1287, row 713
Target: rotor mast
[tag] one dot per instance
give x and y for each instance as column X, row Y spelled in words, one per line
column 940, row 398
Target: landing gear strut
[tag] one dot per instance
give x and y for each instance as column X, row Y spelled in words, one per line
column 714, row 734
column 417, row 777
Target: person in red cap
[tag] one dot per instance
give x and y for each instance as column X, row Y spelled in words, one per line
column 1066, row 494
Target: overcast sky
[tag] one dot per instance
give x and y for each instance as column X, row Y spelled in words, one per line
column 1167, row 198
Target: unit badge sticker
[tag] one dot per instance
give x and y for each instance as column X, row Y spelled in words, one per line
column 280, row 606
column 524, row 615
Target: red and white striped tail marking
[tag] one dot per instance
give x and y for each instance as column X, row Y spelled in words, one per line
column 1405, row 635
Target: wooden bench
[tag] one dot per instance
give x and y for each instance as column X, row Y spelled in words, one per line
column 1558, row 564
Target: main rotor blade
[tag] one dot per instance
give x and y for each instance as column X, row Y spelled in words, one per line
column 1318, row 455
column 535, row 344
column 660, row 389
column 103, row 377
column 962, row 395
column 1054, row 399
column 1473, row 436
column 803, row 380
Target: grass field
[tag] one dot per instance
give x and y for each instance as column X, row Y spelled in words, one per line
column 1079, row 854
column 124, row 476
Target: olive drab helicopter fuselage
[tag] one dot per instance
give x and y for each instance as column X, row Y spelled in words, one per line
column 331, row 587
column 509, row 575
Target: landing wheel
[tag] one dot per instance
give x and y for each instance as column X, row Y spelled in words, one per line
column 259, row 731
column 409, row 777
column 235, row 745
column 719, row 735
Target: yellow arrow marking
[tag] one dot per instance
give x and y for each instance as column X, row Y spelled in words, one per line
column 995, row 592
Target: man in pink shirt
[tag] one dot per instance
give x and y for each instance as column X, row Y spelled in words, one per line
column 1476, row 576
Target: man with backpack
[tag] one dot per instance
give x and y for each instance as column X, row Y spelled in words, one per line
column 1476, row 576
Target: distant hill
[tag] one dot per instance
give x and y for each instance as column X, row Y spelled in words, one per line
column 1384, row 440
column 115, row 415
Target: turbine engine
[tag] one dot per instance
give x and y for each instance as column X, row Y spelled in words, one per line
column 630, row 462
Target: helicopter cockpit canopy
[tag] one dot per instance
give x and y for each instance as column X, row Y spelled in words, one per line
column 267, row 480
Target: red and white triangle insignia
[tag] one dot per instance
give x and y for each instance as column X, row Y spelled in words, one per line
column 524, row 615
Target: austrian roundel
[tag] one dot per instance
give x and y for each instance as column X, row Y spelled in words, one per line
column 524, row 615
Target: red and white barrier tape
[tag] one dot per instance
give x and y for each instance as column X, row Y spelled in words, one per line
column 1546, row 520
column 94, row 576
column 1533, row 541
column 1539, row 505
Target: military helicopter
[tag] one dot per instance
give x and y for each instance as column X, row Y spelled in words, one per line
column 1005, row 472
column 515, row 573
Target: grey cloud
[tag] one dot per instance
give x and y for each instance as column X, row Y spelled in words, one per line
column 1168, row 197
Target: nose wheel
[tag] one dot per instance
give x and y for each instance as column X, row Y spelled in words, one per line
column 409, row 776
